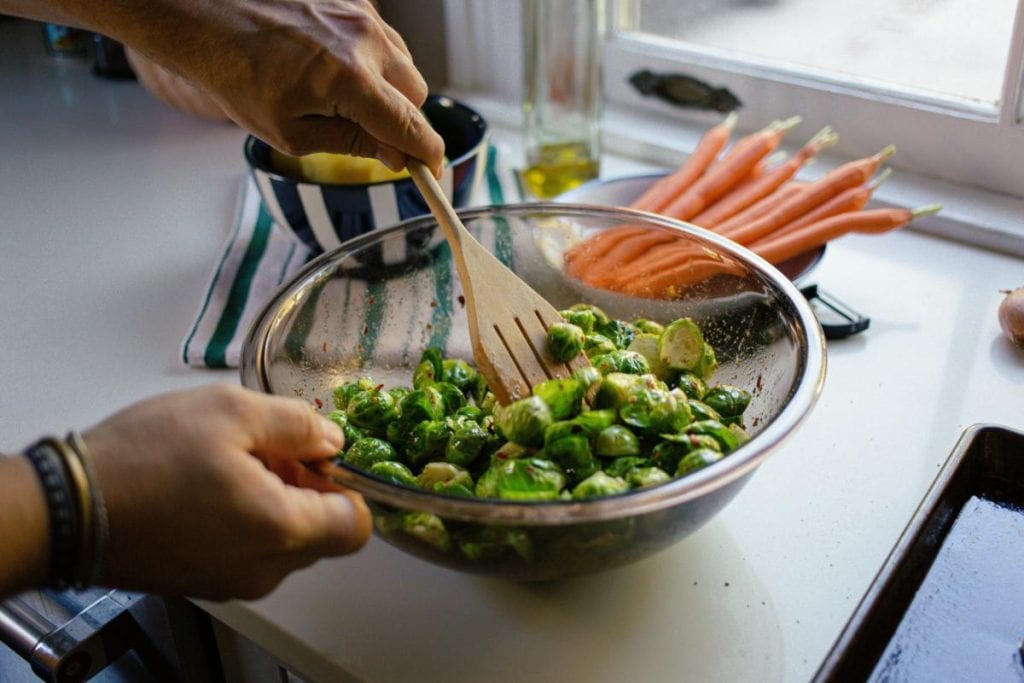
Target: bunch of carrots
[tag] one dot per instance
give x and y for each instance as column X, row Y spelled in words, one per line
column 744, row 193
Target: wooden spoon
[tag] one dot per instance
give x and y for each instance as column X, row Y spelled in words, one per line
column 508, row 321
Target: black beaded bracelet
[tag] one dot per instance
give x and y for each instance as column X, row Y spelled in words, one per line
column 60, row 502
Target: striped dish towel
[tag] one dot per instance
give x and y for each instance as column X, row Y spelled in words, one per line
column 259, row 257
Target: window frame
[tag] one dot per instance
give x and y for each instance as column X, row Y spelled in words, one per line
column 978, row 176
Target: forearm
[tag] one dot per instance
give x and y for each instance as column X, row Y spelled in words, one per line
column 24, row 527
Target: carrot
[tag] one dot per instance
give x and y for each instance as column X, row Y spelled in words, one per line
column 673, row 281
column 853, row 199
column 759, row 187
column 706, row 151
column 848, row 175
column 870, row 221
column 657, row 258
column 626, row 251
column 763, row 205
column 593, row 248
column 724, row 175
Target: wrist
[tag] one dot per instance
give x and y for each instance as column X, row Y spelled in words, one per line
column 24, row 526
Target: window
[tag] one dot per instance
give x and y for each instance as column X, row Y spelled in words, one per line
column 941, row 80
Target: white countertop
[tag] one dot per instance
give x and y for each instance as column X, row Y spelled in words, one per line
column 115, row 208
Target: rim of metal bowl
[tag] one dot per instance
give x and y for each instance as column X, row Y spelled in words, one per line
column 547, row 513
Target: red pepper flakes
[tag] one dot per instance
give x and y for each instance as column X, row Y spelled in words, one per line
column 462, row 300
column 319, row 403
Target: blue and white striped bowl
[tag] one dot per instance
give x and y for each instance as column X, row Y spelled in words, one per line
column 323, row 215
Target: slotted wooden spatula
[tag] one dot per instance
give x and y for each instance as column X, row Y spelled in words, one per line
column 508, row 321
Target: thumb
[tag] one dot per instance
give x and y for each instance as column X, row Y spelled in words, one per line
column 332, row 523
column 289, row 428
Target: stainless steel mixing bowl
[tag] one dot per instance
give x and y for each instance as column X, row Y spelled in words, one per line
column 371, row 306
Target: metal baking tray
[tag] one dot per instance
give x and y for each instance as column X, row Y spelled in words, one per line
column 948, row 604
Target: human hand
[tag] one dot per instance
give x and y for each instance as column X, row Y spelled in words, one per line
column 302, row 75
column 194, row 505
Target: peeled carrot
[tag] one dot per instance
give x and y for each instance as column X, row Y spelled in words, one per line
column 661, row 256
column 783, row 247
column 628, row 250
column 727, row 173
column 764, row 205
column 853, row 199
column 848, row 175
column 666, row 189
column 763, row 185
column 673, row 281
column 593, row 248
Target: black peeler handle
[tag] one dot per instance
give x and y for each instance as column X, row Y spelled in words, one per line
column 837, row 319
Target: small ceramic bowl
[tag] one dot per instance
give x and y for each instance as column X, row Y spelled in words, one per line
column 323, row 215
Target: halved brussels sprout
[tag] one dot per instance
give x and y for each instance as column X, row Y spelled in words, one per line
column 648, row 326
column 521, row 479
column 422, row 404
column 369, row 450
column 524, row 421
column 393, row 471
column 728, row 400
column 600, row 317
column 372, row 410
column 619, row 331
column 654, row 411
column 615, row 389
column 681, row 344
column 428, row 440
column 565, row 340
column 583, row 319
column 690, row 384
column 622, row 360
column 466, row 441
column 572, row 453
column 429, row 370
column 643, row 477
column 647, row 346
column 698, row 459
column 563, row 396
column 726, row 438
column 460, row 373
column 615, row 441
column 599, row 484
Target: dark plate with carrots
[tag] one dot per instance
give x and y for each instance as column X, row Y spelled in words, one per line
column 624, row 190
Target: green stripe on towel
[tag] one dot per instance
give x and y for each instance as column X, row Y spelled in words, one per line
column 227, row 325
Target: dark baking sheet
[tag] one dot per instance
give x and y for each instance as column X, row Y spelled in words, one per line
column 948, row 604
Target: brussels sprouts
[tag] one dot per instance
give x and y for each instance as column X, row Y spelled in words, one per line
column 572, row 453
column 648, row 326
column 367, row 451
column 428, row 440
column 726, row 438
column 524, row 421
column 615, row 389
column 372, row 410
column 695, row 460
column 398, row 393
column 452, row 397
column 596, row 345
column 467, row 440
column 729, row 401
column 600, row 317
column 422, row 404
column 693, row 441
column 599, row 484
column 582, row 319
column 423, row 526
column 654, row 411
column 681, row 344
column 621, row 360
column 647, row 346
column 615, row 441
column 492, row 542
column 642, row 477
column 620, row 466
column 563, row 396
column 344, row 393
column 667, row 454
column 707, row 364
column 429, row 370
column 565, row 340
column 702, row 411
column 521, row 479
column 460, row 373
column 469, row 411
column 619, row 331
column 394, row 472
column 587, row 375
column 691, row 385
column 446, row 478
column 587, row 424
